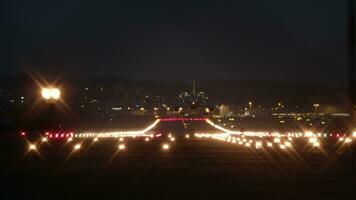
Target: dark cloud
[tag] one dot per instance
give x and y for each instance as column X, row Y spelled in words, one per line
column 180, row 40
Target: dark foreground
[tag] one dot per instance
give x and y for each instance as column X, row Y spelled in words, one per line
column 192, row 168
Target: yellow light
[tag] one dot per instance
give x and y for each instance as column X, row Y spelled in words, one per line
column 121, row 139
column 147, row 139
column 122, row 146
column 282, row 146
column 187, row 136
column 77, row 147
column 269, row 144
column 354, row 134
column 277, row 140
column 95, row 140
column 32, row 147
column 70, row 139
column 44, row 139
column 172, row 139
column 165, row 146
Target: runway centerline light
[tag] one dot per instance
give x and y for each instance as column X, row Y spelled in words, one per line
column 122, row 146
column 32, row 147
column 316, row 144
column 165, row 146
column 77, row 146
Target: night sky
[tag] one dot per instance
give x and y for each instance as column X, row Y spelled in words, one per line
column 294, row 40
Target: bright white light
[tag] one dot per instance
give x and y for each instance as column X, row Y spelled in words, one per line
column 95, row 140
column 287, row 144
column 55, row 93
column 172, row 139
column 69, row 139
column 165, row 146
column 354, row 134
column 147, row 139
column 46, row 93
column 313, row 140
column 77, row 147
column 269, row 144
column 316, row 144
column 187, row 136
column 44, row 139
column 32, row 147
column 121, row 139
column 122, row 147
column 277, row 140
column 282, row 146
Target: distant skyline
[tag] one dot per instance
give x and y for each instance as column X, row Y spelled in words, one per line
column 294, row 40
